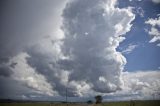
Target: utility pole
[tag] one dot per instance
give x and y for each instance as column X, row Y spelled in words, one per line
column 66, row 96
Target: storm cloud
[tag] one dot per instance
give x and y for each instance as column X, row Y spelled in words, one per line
column 92, row 34
column 86, row 59
column 81, row 56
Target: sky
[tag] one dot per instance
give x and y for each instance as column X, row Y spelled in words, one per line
column 89, row 47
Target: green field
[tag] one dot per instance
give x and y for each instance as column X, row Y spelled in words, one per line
column 128, row 103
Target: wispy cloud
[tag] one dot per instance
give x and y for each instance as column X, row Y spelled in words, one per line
column 156, row 1
column 140, row 11
column 130, row 48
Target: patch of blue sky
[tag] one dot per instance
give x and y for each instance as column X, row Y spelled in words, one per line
column 146, row 55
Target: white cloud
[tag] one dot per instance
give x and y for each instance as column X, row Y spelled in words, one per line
column 156, row 1
column 129, row 49
column 145, row 84
column 154, row 31
column 94, row 56
column 140, row 85
column 28, row 76
column 153, row 22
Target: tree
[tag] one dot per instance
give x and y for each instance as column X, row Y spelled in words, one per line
column 98, row 99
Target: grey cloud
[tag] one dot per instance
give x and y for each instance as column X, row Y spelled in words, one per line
column 91, row 37
column 29, row 77
column 5, row 68
column 11, row 89
column 86, row 60
column 5, row 71
column 24, row 22
column 45, row 64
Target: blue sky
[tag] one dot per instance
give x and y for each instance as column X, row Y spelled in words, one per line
column 146, row 55
column 91, row 47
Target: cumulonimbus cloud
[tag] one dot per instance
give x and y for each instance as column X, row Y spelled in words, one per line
column 93, row 30
column 85, row 60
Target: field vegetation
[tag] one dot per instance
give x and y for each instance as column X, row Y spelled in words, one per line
column 124, row 103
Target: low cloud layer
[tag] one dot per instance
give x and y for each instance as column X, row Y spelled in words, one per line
column 145, row 84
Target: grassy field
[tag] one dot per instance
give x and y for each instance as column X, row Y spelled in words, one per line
column 135, row 103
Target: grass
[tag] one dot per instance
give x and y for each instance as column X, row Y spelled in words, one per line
column 135, row 103
column 127, row 103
